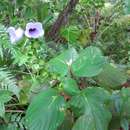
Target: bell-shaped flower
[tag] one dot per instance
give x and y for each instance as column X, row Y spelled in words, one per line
column 34, row 30
column 15, row 34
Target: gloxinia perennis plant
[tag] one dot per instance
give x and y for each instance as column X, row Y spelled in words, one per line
column 15, row 34
column 34, row 30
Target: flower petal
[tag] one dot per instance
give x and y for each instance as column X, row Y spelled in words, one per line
column 34, row 30
column 15, row 35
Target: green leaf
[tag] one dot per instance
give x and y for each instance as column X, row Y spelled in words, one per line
column 125, row 124
column 8, row 82
column 91, row 3
column 127, row 7
column 125, row 105
column 114, row 123
column 71, row 33
column 2, row 109
column 68, row 122
column 91, row 102
column 111, row 77
column 121, row 103
column 42, row 9
column 70, row 86
column 89, row 63
column 60, row 63
column 46, row 112
column 5, row 96
column 20, row 2
column 9, row 127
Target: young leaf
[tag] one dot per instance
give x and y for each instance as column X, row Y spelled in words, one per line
column 89, row 63
column 95, row 116
column 61, row 62
column 46, row 111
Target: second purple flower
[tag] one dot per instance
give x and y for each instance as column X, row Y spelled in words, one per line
column 34, row 30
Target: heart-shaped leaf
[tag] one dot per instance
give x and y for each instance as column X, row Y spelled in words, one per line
column 60, row 63
column 89, row 63
column 91, row 103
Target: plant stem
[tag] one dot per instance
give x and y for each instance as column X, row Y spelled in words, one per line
column 14, row 111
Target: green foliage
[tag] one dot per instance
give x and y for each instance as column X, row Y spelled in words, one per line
column 112, row 77
column 5, row 96
column 127, row 6
column 74, row 82
column 89, row 63
column 49, row 109
column 71, row 33
column 94, row 114
column 7, row 82
column 61, row 63
column 96, row 3
column 70, row 86
column 120, row 103
column 125, row 124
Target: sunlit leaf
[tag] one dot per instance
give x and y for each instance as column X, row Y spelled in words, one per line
column 61, row 63
column 89, row 63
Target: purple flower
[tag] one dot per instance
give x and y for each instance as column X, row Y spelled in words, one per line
column 34, row 30
column 15, row 34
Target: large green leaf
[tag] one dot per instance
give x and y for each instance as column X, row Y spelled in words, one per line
column 5, row 96
column 89, row 63
column 46, row 112
column 91, row 102
column 111, row 77
column 60, row 63
column 70, row 86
